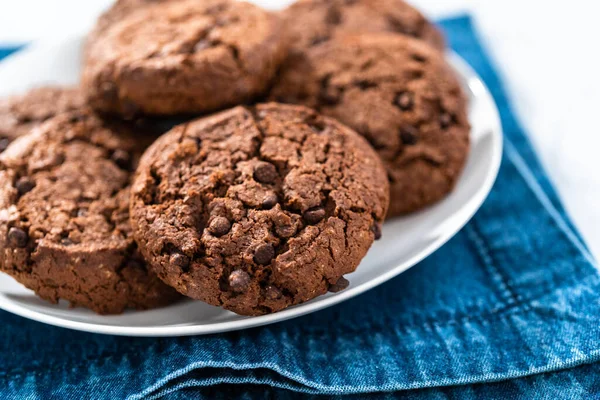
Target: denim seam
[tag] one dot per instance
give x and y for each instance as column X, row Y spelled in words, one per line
column 508, row 310
column 304, row 385
column 530, row 180
column 504, row 313
column 483, row 314
column 41, row 371
column 515, row 308
column 482, row 247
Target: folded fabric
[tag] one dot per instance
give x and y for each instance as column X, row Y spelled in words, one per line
column 514, row 294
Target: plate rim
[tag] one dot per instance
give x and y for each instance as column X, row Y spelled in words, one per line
column 462, row 68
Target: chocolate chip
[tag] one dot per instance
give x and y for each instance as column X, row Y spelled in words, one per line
column 334, row 16
column 239, row 280
column 24, row 185
column 122, row 158
column 219, row 226
column 179, row 260
column 75, row 118
column 367, row 64
column 409, row 135
column 272, row 293
column 317, row 125
column 17, row 237
column 82, row 212
column 391, row 177
column 395, row 24
column 364, row 84
column 414, row 74
column 404, row 100
column 314, row 215
column 130, row 109
column 66, row 241
column 58, row 159
column 340, row 285
column 445, row 120
column 4, row 142
column 265, row 173
column 418, row 58
column 376, row 228
column 317, row 40
column 329, row 94
column 264, row 254
column 270, row 201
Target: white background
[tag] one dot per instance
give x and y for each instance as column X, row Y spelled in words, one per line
column 546, row 51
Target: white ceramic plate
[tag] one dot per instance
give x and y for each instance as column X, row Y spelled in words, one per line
column 406, row 241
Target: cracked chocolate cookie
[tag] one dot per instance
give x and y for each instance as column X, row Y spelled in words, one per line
column 257, row 209
column 19, row 114
column 64, row 216
column 182, row 56
column 312, row 22
column 401, row 95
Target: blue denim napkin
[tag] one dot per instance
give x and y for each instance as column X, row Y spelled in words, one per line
column 512, row 298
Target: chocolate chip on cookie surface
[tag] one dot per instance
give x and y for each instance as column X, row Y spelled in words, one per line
column 64, row 216
column 181, row 56
column 312, row 22
column 399, row 94
column 19, row 114
column 200, row 219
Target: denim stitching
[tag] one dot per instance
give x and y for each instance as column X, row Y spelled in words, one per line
column 504, row 313
column 304, row 385
column 13, row 375
column 521, row 166
column 501, row 282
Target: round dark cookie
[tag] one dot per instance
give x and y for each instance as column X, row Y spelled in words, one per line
column 312, row 22
column 257, row 209
column 64, row 216
column 402, row 96
column 19, row 114
column 182, row 56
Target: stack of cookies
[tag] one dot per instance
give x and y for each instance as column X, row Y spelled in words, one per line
column 221, row 152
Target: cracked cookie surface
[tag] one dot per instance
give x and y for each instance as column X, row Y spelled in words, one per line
column 312, row 22
column 257, row 209
column 181, row 56
column 64, row 216
column 19, row 114
column 400, row 95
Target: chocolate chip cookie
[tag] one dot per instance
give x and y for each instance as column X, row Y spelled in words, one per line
column 64, row 216
column 20, row 114
column 257, row 209
column 312, row 22
column 181, row 56
column 401, row 95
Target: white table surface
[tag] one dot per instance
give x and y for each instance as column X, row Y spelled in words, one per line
column 545, row 50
